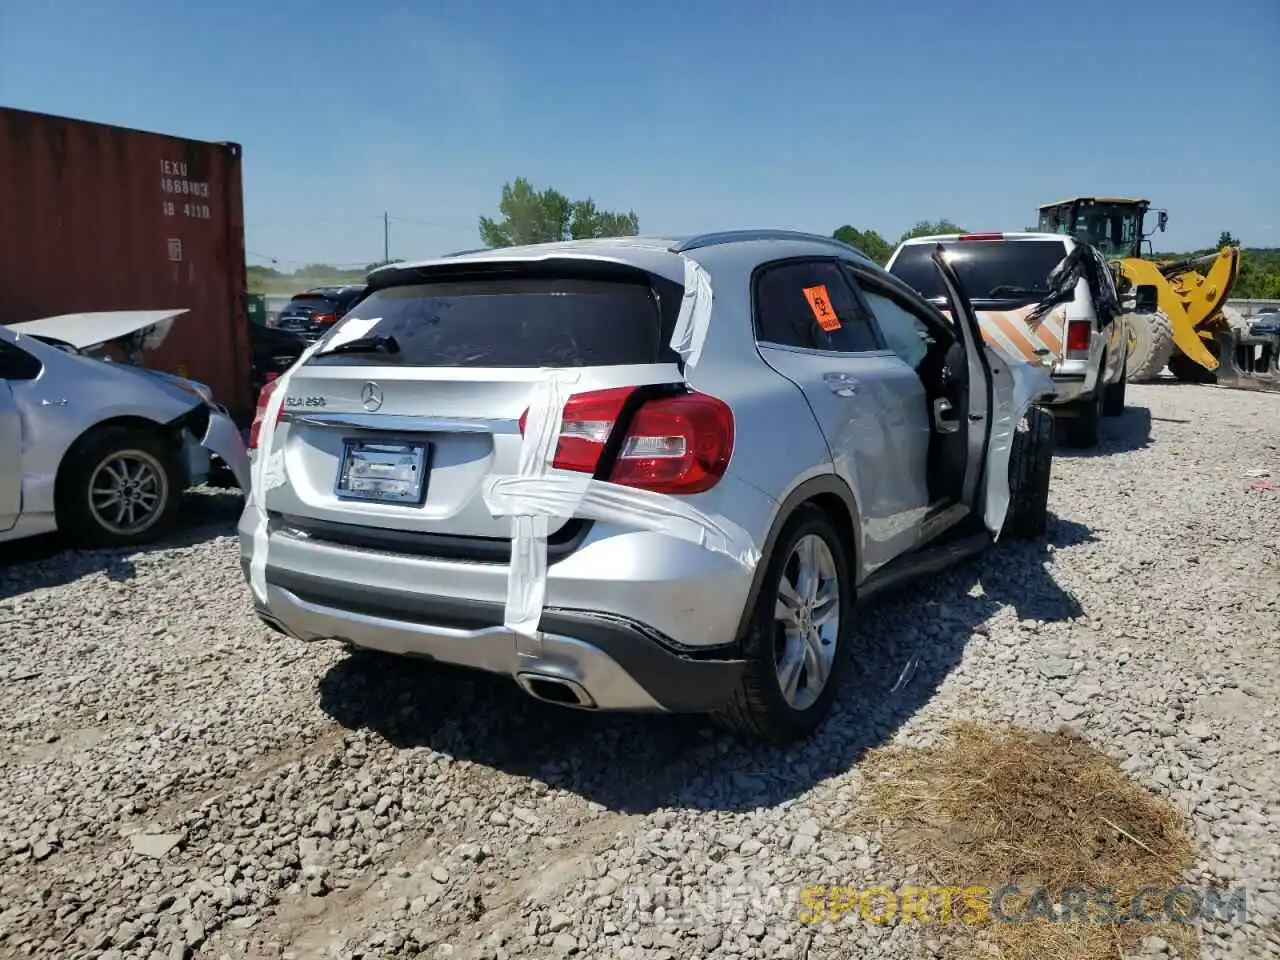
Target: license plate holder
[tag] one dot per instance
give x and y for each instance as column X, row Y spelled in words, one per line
column 384, row 471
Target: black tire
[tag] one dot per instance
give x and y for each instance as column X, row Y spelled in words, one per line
column 1188, row 371
column 1030, row 470
column 1113, row 394
column 758, row 708
column 1083, row 430
column 77, row 519
column 1150, row 348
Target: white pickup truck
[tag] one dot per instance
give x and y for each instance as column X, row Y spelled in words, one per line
column 1043, row 299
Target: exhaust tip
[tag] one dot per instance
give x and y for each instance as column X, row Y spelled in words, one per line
column 557, row 690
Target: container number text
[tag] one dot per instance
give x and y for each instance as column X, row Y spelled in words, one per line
column 175, row 182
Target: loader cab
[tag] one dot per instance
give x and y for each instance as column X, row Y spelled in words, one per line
column 1110, row 224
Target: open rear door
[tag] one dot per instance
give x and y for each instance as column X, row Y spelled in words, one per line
column 979, row 375
column 999, row 396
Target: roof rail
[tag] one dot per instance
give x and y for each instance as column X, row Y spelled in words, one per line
column 744, row 236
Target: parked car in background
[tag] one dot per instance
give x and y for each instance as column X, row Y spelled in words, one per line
column 1045, row 299
column 853, row 431
column 1265, row 324
column 274, row 351
column 98, row 449
column 314, row 312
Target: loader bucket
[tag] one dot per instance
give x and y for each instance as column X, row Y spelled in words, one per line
column 1260, row 354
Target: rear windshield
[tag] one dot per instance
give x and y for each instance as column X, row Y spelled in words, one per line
column 310, row 302
column 512, row 322
column 1007, row 270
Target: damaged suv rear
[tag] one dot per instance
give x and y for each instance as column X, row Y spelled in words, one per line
column 639, row 473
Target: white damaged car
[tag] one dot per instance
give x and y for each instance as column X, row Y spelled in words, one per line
column 98, row 449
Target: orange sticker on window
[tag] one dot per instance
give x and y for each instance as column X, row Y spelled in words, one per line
column 820, row 304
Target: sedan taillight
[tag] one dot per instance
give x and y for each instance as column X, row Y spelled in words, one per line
column 260, row 414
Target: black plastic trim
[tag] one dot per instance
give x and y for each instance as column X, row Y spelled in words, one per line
column 827, row 484
column 433, row 545
column 678, row 682
column 958, row 543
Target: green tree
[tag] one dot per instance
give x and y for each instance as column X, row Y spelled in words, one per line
column 532, row 216
column 1259, row 277
column 924, row 228
column 588, row 222
column 1225, row 239
column 868, row 241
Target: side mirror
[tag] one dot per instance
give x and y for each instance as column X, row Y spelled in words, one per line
column 1144, row 299
column 1162, row 220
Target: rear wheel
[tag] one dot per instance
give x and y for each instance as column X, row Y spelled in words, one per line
column 798, row 639
column 1188, row 371
column 1113, row 394
column 119, row 486
column 1084, row 429
column 1030, row 469
column 1150, row 347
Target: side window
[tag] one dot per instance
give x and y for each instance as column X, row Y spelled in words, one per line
column 16, row 364
column 810, row 304
column 902, row 329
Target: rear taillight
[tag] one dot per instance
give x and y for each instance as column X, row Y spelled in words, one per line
column 674, row 444
column 1078, row 335
column 324, row 319
column 260, row 414
column 983, row 236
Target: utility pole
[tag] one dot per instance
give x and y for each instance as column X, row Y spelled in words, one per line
column 386, row 237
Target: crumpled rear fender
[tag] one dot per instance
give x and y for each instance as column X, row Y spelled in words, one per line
column 223, row 439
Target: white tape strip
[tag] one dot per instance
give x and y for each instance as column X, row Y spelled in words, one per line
column 527, row 580
column 268, row 473
column 353, row 329
column 535, row 495
column 564, row 495
column 695, row 311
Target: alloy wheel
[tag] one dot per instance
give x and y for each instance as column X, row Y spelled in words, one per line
column 806, row 622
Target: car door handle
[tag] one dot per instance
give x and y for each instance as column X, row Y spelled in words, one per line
column 841, row 384
column 60, row 402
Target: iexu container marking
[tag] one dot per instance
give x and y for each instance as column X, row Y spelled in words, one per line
column 105, row 218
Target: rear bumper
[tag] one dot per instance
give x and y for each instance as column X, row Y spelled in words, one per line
column 1074, row 380
column 600, row 661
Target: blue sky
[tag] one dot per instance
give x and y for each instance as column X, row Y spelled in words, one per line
column 697, row 114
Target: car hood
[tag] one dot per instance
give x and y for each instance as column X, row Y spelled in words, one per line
column 88, row 331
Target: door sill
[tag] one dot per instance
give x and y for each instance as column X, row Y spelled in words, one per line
column 962, row 541
column 942, row 516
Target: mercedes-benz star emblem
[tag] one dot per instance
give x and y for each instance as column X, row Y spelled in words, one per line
column 371, row 396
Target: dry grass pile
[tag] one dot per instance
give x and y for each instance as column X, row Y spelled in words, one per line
column 1002, row 807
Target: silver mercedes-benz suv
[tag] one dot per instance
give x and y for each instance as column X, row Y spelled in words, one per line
column 851, row 433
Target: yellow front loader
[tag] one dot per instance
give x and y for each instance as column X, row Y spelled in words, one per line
column 1194, row 332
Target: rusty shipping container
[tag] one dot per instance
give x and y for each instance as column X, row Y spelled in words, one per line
column 96, row 217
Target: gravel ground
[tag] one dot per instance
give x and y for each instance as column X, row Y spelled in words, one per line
column 176, row 781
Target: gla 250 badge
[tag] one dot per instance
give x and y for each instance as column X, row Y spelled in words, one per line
column 304, row 401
